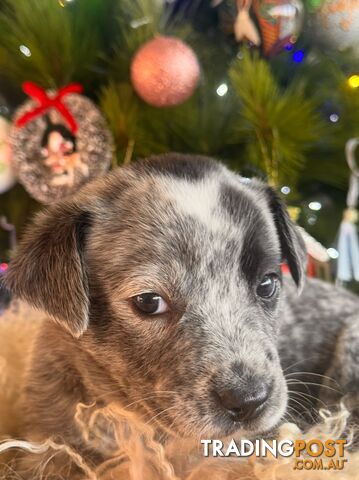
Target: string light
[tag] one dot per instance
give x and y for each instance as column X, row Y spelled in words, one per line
column 315, row 206
column 25, row 50
column 353, row 81
column 334, row 117
column 3, row 267
column 333, row 253
column 222, row 89
column 298, row 56
column 285, row 190
column 312, row 219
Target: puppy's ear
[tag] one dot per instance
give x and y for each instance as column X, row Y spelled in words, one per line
column 291, row 242
column 48, row 270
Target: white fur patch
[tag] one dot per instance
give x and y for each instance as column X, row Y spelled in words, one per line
column 198, row 199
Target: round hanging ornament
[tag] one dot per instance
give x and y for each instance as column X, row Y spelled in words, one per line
column 7, row 174
column 59, row 141
column 336, row 24
column 280, row 22
column 165, row 72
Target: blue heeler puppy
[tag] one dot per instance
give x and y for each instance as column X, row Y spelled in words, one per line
column 164, row 283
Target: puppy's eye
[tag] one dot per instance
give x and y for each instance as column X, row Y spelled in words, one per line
column 268, row 286
column 150, row 303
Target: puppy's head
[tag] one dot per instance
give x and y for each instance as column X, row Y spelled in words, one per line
column 168, row 273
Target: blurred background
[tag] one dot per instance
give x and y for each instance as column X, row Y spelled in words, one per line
column 270, row 87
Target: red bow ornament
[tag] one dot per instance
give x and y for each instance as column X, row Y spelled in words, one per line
column 47, row 101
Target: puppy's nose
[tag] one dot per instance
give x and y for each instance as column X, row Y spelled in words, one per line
column 243, row 403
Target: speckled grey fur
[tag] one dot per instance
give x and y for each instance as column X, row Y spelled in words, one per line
column 202, row 237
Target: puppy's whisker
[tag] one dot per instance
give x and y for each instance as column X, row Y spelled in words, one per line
column 320, row 385
column 144, row 399
column 296, row 413
column 305, row 414
column 159, row 414
column 312, row 375
column 154, row 395
column 300, row 361
column 309, row 404
column 289, row 415
column 119, row 391
column 291, row 392
column 297, row 402
column 297, row 382
column 158, row 409
column 307, row 396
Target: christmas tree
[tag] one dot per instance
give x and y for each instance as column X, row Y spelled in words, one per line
column 282, row 110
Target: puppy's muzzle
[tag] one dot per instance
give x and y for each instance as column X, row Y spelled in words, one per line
column 244, row 403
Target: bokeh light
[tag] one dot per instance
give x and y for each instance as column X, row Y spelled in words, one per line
column 353, row 81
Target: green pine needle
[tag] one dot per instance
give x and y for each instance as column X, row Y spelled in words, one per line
column 277, row 125
column 63, row 41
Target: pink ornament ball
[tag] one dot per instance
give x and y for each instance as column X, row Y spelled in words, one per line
column 165, row 72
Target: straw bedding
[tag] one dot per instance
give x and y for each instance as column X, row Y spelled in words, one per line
column 134, row 452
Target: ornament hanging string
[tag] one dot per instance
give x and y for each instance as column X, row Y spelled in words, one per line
column 348, row 242
column 48, row 101
column 353, row 192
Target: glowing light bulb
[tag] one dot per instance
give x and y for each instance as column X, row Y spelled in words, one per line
column 298, row 56
column 222, row 89
column 312, row 219
column 315, row 206
column 285, row 190
column 25, row 50
column 3, row 267
column 353, row 81
column 334, row 117
column 333, row 253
